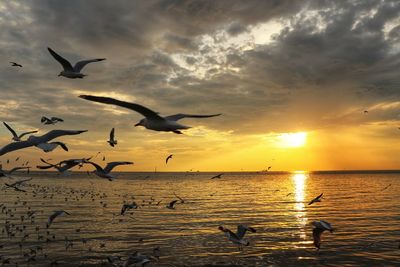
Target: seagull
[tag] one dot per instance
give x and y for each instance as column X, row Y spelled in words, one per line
column 112, row 141
column 168, row 158
column 52, row 120
column 317, row 199
column 217, row 176
column 319, row 228
column 16, row 137
column 137, row 259
column 55, row 215
column 5, row 173
column 69, row 71
column 15, row 64
column 17, row 184
column 181, row 199
column 152, row 121
column 126, row 207
column 365, row 111
column 171, row 205
column 105, row 173
column 40, row 141
column 238, row 238
column 63, row 166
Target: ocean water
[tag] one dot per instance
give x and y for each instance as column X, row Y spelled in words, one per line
column 364, row 209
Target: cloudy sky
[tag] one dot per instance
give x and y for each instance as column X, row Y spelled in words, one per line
column 292, row 79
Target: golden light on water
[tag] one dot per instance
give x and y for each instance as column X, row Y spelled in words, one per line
column 299, row 179
column 292, row 139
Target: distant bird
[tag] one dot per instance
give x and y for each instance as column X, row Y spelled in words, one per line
column 16, row 137
column 75, row 71
column 52, row 120
column 17, row 184
column 365, row 111
column 127, row 207
column 40, row 141
column 105, row 173
column 217, row 176
column 181, row 199
column 171, row 205
column 152, row 121
column 319, row 228
column 137, row 259
column 55, row 215
column 238, row 237
column 15, row 64
column 168, row 158
column 112, row 140
column 316, row 199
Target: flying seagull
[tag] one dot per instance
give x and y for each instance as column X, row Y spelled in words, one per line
column 18, row 183
column 52, row 120
column 15, row 64
column 69, row 71
column 105, row 173
column 40, row 141
column 63, row 166
column 217, row 176
column 316, row 199
column 16, row 137
column 319, row 228
column 112, row 140
column 55, row 215
column 152, row 121
column 5, row 173
column 168, row 158
column 238, row 237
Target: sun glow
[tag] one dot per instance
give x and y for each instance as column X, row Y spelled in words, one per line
column 292, row 139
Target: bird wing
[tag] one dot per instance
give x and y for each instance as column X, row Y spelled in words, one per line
column 148, row 113
column 23, row 134
column 169, row 157
column 98, row 168
column 56, row 119
column 15, row 146
column 317, row 232
column 57, row 133
column 80, row 64
column 20, row 182
column 65, row 63
column 61, row 144
column 179, row 116
column 11, row 130
column 16, row 169
column 112, row 165
column 241, row 230
column 112, row 134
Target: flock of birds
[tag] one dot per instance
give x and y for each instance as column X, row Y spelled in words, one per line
column 152, row 121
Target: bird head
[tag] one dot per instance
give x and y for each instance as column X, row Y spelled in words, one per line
column 140, row 123
column 221, row 228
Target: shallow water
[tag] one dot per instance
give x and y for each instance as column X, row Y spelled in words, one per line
column 363, row 208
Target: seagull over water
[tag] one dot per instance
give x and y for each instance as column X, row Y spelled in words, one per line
column 55, row 215
column 238, row 237
column 41, row 142
column 152, row 121
column 217, row 176
column 16, row 137
column 112, row 140
column 105, row 173
column 6, row 173
column 63, row 166
column 319, row 228
column 15, row 64
column 316, row 199
column 69, row 71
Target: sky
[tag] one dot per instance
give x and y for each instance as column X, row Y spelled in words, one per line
column 292, row 80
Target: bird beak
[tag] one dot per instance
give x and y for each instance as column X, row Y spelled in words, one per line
column 137, row 124
column 59, row 75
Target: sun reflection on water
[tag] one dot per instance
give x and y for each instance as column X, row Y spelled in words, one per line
column 299, row 179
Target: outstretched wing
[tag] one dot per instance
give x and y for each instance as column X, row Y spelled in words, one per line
column 57, row 133
column 98, row 168
column 80, row 64
column 112, row 134
column 179, row 116
column 15, row 146
column 148, row 113
column 241, row 230
column 11, row 130
column 23, row 134
column 61, row 144
column 65, row 63
column 112, row 165
column 16, row 169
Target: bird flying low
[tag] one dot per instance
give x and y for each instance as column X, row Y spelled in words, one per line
column 69, row 71
column 105, row 173
column 55, row 215
column 152, row 121
column 238, row 237
column 316, row 199
column 319, row 228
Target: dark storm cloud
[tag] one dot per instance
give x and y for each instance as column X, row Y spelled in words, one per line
column 329, row 55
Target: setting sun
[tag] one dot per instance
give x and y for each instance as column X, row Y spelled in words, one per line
column 293, row 139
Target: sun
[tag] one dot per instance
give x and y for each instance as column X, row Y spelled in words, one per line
column 292, row 139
